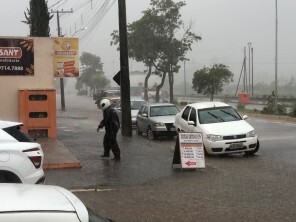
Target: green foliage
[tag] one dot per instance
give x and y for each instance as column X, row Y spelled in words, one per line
column 38, row 17
column 210, row 81
column 270, row 107
column 293, row 110
column 92, row 74
column 240, row 107
column 152, row 40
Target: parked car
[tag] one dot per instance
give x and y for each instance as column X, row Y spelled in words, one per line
column 224, row 130
column 113, row 95
column 21, row 159
column 157, row 119
column 136, row 104
column 46, row 203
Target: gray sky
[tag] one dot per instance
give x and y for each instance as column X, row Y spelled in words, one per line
column 226, row 26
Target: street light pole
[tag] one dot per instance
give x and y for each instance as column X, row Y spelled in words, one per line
column 276, row 58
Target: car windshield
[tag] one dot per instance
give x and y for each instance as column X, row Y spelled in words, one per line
column 136, row 105
column 163, row 111
column 218, row 114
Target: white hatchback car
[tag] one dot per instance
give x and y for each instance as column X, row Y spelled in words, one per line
column 224, row 130
column 21, row 159
column 35, row 203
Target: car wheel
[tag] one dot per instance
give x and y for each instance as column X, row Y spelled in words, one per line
column 7, row 177
column 138, row 130
column 253, row 151
column 150, row 134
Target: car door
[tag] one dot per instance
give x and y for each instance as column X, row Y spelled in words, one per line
column 142, row 118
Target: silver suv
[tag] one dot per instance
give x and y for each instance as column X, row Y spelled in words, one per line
column 157, row 119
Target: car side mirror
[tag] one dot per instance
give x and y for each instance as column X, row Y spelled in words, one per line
column 191, row 123
column 245, row 116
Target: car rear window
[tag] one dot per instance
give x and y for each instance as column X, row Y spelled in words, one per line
column 19, row 135
column 163, row 110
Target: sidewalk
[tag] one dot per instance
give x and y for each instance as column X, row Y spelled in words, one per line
column 56, row 155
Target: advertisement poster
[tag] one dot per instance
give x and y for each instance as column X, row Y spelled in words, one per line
column 191, row 150
column 66, row 57
column 16, row 57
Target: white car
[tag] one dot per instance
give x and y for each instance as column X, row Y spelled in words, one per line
column 224, row 130
column 21, row 160
column 36, row 203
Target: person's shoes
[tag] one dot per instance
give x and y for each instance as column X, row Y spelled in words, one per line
column 104, row 155
column 116, row 159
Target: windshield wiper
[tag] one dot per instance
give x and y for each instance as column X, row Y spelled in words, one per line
column 230, row 114
column 217, row 117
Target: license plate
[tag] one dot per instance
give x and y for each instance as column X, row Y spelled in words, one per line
column 234, row 146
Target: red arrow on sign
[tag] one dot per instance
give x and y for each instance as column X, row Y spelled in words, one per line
column 188, row 163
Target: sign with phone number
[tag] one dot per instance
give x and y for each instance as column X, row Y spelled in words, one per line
column 11, row 68
column 16, row 56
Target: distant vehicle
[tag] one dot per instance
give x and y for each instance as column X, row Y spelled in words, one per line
column 21, row 159
column 113, row 95
column 136, row 104
column 157, row 119
column 224, row 130
column 35, row 203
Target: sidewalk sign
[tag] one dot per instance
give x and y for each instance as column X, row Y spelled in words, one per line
column 189, row 151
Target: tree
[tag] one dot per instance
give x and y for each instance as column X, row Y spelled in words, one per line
column 210, row 81
column 92, row 74
column 38, row 17
column 152, row 40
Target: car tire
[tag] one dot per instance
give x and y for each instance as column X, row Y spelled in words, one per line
column 138, row 130
column 253, row 151
column 8, row 177
column 150, row 134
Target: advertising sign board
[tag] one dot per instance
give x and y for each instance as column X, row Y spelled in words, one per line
column 191, row 150
column 66, row 57
column 16, row 57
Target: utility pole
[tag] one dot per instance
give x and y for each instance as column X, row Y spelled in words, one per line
column 184, row 78
column 249, row 45
column 276, row 58
column 61, row 79
column 126, row 126
column 252, row 53
column 245, row 73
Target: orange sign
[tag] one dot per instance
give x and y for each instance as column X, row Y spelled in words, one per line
column 66, row 57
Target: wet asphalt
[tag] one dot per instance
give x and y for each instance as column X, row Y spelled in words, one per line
column 144, row 187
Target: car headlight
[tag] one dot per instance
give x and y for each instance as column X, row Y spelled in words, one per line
column 159, row 124
column 251, row 134
column 214, row 138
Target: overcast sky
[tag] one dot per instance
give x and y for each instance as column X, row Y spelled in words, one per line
column 226, row 26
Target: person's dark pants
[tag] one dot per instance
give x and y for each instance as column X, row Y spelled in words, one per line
column 110, row 143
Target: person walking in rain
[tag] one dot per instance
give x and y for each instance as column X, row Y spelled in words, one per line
column 111, row 123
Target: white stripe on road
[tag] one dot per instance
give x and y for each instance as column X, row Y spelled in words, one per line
column 91, row 190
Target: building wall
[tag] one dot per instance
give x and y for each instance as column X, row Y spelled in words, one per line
column 42, row 79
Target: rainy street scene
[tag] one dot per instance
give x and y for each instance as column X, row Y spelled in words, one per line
column 147, row 111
